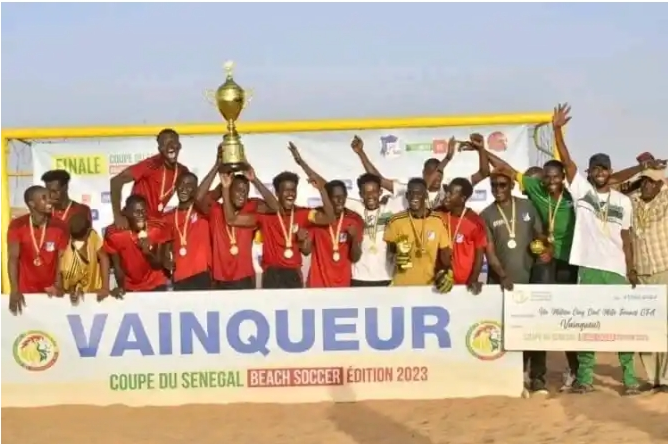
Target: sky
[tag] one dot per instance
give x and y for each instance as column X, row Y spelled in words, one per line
column 120, row 63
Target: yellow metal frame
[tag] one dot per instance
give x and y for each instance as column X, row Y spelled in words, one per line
column 96, row 132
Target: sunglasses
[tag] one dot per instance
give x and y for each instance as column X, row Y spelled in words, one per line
column 500, row 184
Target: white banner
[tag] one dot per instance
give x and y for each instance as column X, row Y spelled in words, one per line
column 275, row 346
column 605, row 318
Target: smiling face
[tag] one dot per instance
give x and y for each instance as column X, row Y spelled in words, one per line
column 239, row 191
column 338, row 196
column 136, row 213
column 40, row 202
column 287, row 194
column 501, row 188
column 599, row 175
column 553, row 179
column 416, row 195
column 169, row 147
column 370, row 195
column 186, row 188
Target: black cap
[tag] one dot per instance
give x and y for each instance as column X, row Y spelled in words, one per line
column 600, row 160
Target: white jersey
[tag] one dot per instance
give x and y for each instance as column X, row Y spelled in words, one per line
column 599, row 221
column 375, row 264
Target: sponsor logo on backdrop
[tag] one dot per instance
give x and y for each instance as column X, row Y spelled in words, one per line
column 119, row 162
column 479, row 195
column 483, row 340
column 440, row 146
column 314, row 202
column 389, row 146
column 105, row 197
column 95, row 214
column 349, row 184
column 90, row 165
column 497, row 141
column 419, row 146
column 86, row 198
column 35, row 351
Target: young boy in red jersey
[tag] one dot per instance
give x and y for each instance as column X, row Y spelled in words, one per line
column 154, row 178
column 137, row 254
column 468, row 234
column 232, row 251
column 337, row 246
column 57, row 183
column 285, row 238
column 36, row 242
column 189, row 252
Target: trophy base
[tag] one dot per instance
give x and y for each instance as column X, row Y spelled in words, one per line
column 235, row 166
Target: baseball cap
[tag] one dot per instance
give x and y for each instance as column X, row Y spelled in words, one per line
column 600, row 160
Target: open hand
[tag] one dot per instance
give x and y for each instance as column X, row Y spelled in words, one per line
column 452, row 146
column 295, row 152
column 561, row 115
column 249, row 173
column 226, row 179
column 477, row 141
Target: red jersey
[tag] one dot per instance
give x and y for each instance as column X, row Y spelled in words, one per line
column 227, row 267
column 156, row 182
column 197, row 258
column 74, row 208
column 274, row 239
column 36, row 278
column 325, row 271
column 139, row 275
column 468, row 235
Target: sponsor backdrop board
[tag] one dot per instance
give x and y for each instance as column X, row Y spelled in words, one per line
column 605, row 318
column 277, row 346
column 396, row 153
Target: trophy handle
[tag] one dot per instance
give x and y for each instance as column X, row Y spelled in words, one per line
column 210, row 96
column 248, row 97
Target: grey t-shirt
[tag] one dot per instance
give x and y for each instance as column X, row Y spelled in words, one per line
column 518, row 261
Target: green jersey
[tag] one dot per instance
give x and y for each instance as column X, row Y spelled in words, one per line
column 563, row 215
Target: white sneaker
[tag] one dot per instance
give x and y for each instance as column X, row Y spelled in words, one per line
column 568, row 380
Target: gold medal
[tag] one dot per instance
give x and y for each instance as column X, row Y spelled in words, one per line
column 37, row 246
column 510, row 224
column 335, row 238
column 336, row 256
column 373, row 249
column 37, row 262
column 552, row 216
column 183, row 235
column 234, row 250
column 183, row 251
column 512, row 244
column 288, row 253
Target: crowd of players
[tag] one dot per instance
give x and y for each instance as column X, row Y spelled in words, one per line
column 574, row 226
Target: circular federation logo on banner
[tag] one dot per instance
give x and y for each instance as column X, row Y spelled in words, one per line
column 484, row 340
column 35, row 351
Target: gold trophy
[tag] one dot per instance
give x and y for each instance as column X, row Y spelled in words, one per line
column 230, row 99
column 403, row 255
column 537, row 247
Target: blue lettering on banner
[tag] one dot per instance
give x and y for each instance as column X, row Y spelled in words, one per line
column 338, row 329
column 105, row 197
column 94, row 214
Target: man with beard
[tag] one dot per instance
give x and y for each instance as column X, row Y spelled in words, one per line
column 232, row 247
column 154, row 178
column 650, row 252
column 512, row 224
column 57, row 182
column 432, row 171
column 601, row 242
column 467, row 233
column 375, row 267
column 36, row 243
column 284, row 233
column 137, row 254
column 419, row 241
column 335, row 247
column 188, row 255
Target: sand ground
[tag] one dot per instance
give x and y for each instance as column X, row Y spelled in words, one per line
column 603, row 417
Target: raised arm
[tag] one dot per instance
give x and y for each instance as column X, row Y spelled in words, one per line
column 269, row 199
column 452, row 145
column 628, row 173
column 477, row 143
column 116, row 193
column 326, row 215
column 204, row 197
column 560, row 118
column 231, row 217
column 358, row 147
column 310, row 172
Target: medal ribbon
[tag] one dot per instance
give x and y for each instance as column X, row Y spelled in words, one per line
column 287, row 234
column 164, row 193
column 373, row 232
column 183, row 235
column 67, row 210
column 419, row 238
column 552, row 216
column 335, row 236
column 36, row 246
column 459, row 224
column 509, row 225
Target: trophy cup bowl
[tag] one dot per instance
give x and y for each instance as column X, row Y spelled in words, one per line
column 230, row 99
column 404, row 248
